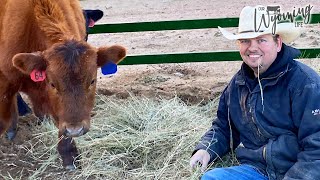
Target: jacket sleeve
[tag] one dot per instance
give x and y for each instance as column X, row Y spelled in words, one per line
column 306, row 116
column 217, row 139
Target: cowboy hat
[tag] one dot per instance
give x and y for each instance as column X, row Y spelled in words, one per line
column 251, row 25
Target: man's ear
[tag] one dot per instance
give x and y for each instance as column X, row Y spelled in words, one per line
column 112, row 54
column 27, row 62
column 279, row 43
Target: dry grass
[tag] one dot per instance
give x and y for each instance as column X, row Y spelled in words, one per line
column 137, row 138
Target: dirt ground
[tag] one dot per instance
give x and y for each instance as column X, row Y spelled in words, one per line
column 193, row 82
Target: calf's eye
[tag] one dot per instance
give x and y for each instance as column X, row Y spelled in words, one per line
column 93, row 81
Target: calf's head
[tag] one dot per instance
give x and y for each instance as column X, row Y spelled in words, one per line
column 69, row 71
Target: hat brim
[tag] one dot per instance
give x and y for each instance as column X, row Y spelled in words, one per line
column 287, row 31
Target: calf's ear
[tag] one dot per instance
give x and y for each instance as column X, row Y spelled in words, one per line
column 27, row 62
column 113, row 54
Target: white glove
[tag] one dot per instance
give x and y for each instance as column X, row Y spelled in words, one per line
column 202, row 157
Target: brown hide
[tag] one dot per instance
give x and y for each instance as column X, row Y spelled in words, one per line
column 48, row 36
column 2, row 9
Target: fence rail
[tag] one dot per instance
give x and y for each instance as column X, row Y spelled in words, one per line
column 183, row 25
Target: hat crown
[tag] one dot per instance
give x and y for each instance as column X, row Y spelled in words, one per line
column 258, row 20
column 250, row 19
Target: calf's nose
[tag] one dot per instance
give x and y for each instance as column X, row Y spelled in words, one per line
column 74, row 132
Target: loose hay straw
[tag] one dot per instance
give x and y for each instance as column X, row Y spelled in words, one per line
column 137, row 138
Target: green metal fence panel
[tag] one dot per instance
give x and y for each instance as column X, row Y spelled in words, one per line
column 307, row 53
column 182, row 25
column 182, row 58
column 164, row 25
column 174, row 25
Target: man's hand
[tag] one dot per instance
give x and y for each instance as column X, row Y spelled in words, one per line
column 202, row 157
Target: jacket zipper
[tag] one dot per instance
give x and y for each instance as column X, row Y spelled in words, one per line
column 264, row 152
column 254, row 122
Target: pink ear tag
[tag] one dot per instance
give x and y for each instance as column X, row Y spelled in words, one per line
column 91, row 23
column 37, row 75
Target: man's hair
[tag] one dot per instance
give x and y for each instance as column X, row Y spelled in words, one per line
column 275, row 37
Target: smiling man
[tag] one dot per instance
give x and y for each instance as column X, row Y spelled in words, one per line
column 266, row 113
column 260, row 52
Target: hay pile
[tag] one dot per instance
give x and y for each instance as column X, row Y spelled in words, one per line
column 137, row 138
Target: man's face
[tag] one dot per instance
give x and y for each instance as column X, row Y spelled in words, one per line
column 259, row 52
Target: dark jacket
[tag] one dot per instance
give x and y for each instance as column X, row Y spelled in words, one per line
column 279, row 135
